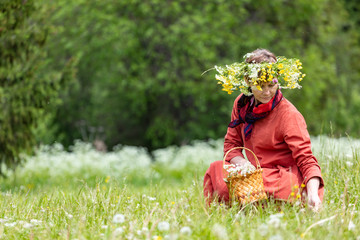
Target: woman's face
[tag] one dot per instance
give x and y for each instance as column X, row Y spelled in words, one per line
column 267, row 93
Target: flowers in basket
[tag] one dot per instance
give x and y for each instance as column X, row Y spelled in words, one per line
column 243, row 170
column 285, row 72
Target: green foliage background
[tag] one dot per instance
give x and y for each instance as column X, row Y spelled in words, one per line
column 139, row 65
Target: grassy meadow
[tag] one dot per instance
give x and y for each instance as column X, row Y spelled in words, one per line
column 128, row 194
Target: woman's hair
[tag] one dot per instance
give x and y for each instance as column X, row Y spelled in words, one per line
column 260, row 55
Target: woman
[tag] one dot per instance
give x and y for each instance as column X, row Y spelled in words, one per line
column 263, row 121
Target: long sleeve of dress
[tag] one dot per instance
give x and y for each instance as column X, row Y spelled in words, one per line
column 297, row 138
column 233, row 136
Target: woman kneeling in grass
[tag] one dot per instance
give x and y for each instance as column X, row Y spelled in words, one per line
column 263, row 121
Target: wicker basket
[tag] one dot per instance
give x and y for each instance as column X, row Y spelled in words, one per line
column 249, row 188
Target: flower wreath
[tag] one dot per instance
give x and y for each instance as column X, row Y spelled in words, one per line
column 285, row 72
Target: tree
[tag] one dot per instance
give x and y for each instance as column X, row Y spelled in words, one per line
column 26, row 90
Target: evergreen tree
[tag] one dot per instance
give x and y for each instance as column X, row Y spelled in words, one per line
column 25, row 88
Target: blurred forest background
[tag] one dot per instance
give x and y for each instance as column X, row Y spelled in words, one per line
column 130, row 72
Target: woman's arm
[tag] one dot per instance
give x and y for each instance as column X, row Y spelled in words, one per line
column 298, row 140
column 238, row 160
column 312, row 188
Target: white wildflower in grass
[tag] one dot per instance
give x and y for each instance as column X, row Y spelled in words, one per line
column 163, row 226
column 185, row 230
column 104, row 227
column 349, row 164
column 118, row 231
column 263, row 229
column 13, row 224
column 276, row 237
column 118, row 218
column 199, row 153
column 172, row 236
column 219, row 231
column 85, row 162
column 351, row 226
column 5, row 219
column 35, row 222
column 275, row 220
column 152, row 198
column 27, row 225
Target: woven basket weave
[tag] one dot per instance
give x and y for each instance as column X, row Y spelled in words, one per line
column 249, row 188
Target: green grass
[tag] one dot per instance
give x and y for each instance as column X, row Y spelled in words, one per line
column 76, row 208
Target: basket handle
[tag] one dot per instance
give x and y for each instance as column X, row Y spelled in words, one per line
column 257, row 160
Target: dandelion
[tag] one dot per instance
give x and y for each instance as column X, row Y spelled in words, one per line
column 351, row 226
column 68, row 215
column 118, row 218
column 349, row 164
column 157, row 238
column 263, row 229
column 27, row 225
column 219, row 231
column 185, row 230
column 163, row 226
column 276, row 237
column 118, row 231
column 35, row 222
column 274, row 220
column 4, row 220
column 107, row 179
column 171, row 237
column 10, row 224
column 172, row 203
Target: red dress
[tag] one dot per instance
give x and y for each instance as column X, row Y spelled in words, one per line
column 282, row 144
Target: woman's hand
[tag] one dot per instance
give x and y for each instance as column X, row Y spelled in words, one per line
column 238, row 161
column 313, row 199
